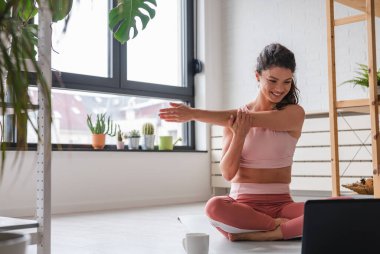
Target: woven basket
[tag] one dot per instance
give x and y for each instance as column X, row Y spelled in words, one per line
column 365, row 186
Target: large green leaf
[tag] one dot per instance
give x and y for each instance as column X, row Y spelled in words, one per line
column 122, row 19
column 2, row 6
column 60, row 9
column 27, row 9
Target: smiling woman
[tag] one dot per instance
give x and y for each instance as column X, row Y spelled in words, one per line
column 259, row 141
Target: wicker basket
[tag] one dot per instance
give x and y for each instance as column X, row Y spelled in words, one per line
column 364, row 186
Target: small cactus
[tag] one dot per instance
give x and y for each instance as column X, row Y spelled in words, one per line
column 134, row 134
column 147, row 129
column 119, row 135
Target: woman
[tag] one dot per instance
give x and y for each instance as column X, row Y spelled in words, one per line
column 259, row 140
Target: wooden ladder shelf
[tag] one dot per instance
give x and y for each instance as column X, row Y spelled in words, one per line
column 371, row 8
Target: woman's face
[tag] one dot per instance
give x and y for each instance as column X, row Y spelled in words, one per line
column 275, row 83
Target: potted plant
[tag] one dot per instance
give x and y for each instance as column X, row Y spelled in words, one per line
column 148, row 133
column 100, row 129
column 362, row 78
column 120, row 142
column 134, row 139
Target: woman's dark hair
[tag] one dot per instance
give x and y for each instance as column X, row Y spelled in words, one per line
column 277, row 55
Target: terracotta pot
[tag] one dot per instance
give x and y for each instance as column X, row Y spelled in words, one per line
column 98, row 141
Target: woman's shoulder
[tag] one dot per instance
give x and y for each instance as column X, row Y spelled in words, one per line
column 295, row 109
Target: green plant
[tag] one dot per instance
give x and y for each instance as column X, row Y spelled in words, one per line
column 362, row 77
column 102, row 126
column 178, row 139
column 122, row 18
column 18, row 43
column 120, row 134
column 134, row 134
column 147, row 129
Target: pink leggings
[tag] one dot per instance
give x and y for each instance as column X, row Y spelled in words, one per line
column 256, row 212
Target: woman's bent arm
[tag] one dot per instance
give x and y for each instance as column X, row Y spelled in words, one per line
column 230, row 162
column 233, row 142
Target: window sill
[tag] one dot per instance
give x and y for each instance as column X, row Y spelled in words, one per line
column 107, row 148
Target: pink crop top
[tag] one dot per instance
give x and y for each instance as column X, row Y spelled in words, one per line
column 265, row 148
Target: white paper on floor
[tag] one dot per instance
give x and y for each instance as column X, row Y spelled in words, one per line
column 220, row 245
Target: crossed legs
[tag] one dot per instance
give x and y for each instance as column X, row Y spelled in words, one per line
column 240, row 221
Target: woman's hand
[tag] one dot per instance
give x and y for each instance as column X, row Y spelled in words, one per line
column 178, row 112
column 241, row 125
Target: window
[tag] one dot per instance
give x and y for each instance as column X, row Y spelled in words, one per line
column 130, row 82
column 157, row 50
column 83, row 48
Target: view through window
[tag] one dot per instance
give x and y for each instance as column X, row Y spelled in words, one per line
column 70, row 109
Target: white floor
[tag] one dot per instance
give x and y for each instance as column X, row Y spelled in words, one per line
column 153, row 230
column 135, row 231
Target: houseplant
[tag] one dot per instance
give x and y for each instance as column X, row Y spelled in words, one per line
column 148, row 136
column 102, row 127
column 134, row 139
column 362, row 77
column 120, row 137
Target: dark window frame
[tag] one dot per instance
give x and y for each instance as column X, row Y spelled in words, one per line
column 115, row 84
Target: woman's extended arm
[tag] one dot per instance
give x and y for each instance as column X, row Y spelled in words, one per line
column 288, row 119
column 182, row 113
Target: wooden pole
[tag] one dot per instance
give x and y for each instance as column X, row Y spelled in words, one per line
column 373, row 109
column 332, row 99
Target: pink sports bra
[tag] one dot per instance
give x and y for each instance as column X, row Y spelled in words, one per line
column 265, row 148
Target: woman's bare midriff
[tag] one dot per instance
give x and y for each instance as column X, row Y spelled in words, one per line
column 263, row 175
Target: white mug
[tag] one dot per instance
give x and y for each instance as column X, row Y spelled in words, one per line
column 196, row 243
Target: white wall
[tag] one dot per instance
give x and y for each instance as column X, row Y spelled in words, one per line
column 248, row 25
column 85, row 181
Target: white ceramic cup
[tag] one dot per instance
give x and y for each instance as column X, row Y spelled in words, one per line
column 196, row 243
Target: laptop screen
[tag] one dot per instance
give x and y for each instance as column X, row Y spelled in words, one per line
column 341, row 226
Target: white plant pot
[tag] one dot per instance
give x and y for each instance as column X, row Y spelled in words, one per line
column 120, row 145
column 14, row 243
column 148, row 142
column 134, row 143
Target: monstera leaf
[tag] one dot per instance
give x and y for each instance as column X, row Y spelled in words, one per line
column 122, row 19
column 60, row 9
column 27, row 10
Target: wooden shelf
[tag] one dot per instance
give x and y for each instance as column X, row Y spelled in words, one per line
column 357, row 105
column 360, row 5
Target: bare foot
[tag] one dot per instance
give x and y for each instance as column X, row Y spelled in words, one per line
column 272, row 235
column 279, row 221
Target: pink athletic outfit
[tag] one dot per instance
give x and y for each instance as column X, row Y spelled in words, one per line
column 254, row 206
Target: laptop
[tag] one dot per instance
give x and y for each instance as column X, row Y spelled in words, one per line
column 341, row 226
